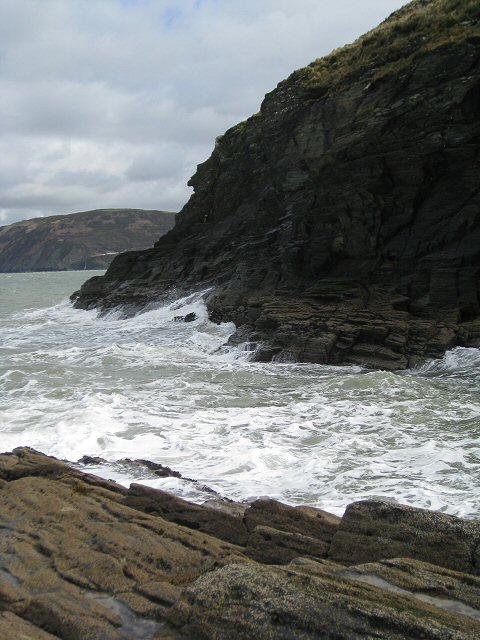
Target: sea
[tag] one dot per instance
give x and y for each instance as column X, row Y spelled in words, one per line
column 76, row 383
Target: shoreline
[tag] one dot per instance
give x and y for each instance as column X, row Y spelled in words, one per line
column 83, row 557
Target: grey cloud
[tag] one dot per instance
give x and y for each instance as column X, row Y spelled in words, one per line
column 100, row 180
column 114, row 102
column 161, row 164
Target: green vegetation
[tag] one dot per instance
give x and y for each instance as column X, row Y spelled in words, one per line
column 419, row 27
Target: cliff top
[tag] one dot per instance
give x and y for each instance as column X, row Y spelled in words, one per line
column 414, row 29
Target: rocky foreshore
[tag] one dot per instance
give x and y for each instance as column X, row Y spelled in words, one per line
column 83, row 558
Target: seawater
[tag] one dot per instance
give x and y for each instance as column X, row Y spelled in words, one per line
column 74, row 383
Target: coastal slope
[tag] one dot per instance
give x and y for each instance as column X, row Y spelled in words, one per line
column 341, row 223
column 85, row 240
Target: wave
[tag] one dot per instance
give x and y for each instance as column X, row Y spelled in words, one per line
column 76, row 382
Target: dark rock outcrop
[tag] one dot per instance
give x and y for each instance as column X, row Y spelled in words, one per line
column 201, row 518
column 82, row 558
column 86, row 240
column 341, row 223
column 372, row 530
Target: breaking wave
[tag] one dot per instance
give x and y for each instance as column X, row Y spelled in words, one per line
column 74, row 383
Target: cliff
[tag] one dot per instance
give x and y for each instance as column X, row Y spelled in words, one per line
column 84, row 558
column 340, row 223
column 86, row 240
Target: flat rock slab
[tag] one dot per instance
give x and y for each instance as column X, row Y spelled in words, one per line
column 243, row 602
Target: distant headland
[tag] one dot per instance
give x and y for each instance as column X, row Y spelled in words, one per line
column 84, row 240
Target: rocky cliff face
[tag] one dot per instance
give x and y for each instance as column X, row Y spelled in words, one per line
column 87, row 240
column 341, row 223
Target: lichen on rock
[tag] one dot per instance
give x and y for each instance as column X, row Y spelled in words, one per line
column 83, row 558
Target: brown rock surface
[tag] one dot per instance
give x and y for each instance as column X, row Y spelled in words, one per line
column 272, row 546
column 373, row 530
column 307, row 521
column 77, row 562
column 247, row 602
column 80, row 565
column 199, row 517
column 422, row 578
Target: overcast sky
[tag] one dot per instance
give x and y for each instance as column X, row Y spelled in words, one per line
column 113, row 103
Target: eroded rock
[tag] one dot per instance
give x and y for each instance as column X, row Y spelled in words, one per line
column 374, row 530
column 307, row 521
column 81, row 559
column 202, row 518
column 80, row 565
column 257, row 602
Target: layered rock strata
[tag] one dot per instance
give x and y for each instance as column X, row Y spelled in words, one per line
column 340, row 224
column 82, row 558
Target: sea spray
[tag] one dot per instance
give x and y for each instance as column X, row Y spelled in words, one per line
column 74, row 383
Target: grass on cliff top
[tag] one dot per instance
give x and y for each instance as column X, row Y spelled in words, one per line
column 420, row 26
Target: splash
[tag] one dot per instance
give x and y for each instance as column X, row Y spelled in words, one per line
column 74, row 383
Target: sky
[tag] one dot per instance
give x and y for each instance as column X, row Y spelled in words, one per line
column 113, row 103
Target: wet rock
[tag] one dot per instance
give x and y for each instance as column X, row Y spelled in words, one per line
column 189, row 317
column 153, row 468
column 374, row 530
column 202, row 518
column 306, row 521
column 158, row 469
column 91, row 460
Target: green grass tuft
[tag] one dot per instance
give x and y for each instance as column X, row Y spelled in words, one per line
column 419, row 27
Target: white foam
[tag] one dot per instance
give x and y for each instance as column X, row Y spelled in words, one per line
column 74, row 383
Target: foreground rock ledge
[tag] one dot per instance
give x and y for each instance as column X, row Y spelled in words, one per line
column 83, row 558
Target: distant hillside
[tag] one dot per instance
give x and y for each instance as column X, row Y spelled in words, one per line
column 86, row 240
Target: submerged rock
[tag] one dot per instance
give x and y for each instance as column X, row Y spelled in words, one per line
column 341, row 223
column 82, row 558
